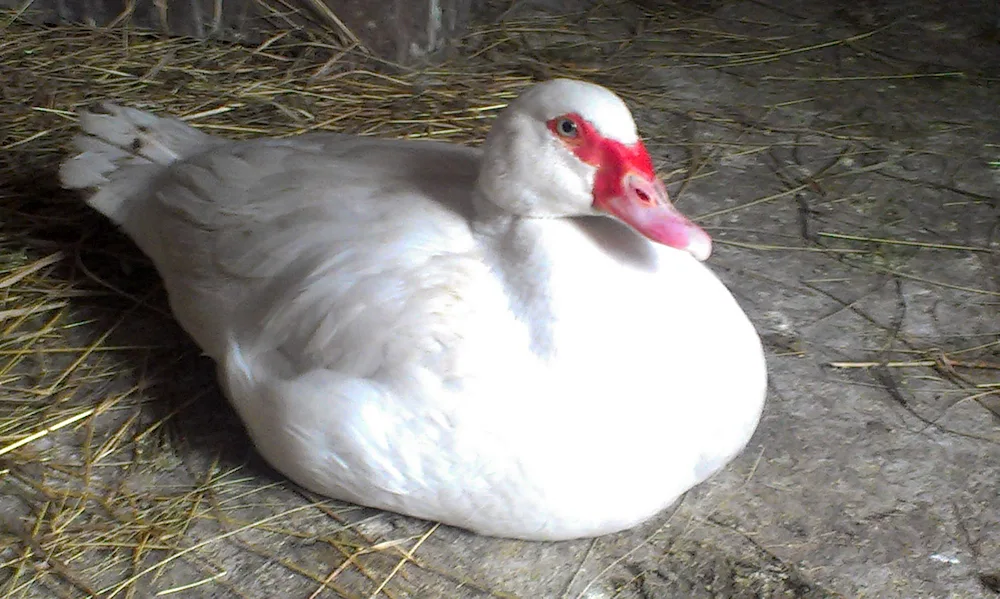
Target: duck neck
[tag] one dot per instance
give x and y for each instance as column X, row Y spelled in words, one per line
column 516, row 253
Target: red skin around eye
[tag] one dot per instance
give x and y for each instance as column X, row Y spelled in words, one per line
column 613, row 159
column 626, row 187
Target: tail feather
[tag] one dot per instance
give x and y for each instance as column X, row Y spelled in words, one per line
column 120, row 152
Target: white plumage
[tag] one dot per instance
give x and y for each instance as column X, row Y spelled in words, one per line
column 441, row 331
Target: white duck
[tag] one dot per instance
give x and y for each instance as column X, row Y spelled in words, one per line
column 433, row 329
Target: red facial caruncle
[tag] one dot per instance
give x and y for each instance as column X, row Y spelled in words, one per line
column 626, row 186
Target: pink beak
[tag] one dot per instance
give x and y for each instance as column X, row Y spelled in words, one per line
column 643, row 204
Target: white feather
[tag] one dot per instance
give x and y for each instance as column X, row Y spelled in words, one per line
column 396, row 327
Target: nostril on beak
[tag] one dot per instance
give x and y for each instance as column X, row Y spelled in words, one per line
column 641, row 190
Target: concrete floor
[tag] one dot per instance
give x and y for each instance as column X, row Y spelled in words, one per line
column 862, row 481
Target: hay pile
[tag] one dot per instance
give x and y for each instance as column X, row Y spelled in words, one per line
column 122, row 474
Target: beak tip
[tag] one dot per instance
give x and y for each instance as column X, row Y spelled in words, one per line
column 700, row 246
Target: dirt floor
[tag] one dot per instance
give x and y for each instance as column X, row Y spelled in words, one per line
column 845, row 156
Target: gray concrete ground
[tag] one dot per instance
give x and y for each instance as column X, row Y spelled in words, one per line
column 852, row 189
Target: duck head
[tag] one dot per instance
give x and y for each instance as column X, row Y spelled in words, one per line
column 568, row 148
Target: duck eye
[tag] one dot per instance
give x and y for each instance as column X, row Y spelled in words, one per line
column 566, row 128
